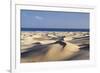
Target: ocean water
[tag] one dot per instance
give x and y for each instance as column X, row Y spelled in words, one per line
column 54, row 29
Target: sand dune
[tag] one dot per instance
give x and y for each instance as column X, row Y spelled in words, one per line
column 50, row 52
column 77, row 43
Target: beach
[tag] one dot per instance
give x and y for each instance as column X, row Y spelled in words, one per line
column 76, row 39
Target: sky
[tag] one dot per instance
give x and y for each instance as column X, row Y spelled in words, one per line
column 53, row 19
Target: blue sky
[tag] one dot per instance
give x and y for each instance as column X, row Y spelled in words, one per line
column 50, row 19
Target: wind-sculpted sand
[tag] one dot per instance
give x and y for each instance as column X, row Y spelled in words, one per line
column 54, row 46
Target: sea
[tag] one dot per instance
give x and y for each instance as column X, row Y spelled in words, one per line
column 55, row 29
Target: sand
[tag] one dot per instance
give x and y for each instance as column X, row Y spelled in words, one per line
column 80, row 39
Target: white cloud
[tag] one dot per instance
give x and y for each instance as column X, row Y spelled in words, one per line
column 39, row 17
